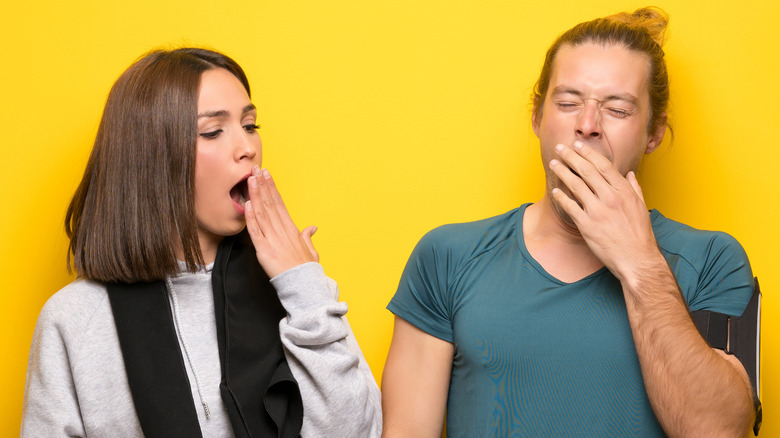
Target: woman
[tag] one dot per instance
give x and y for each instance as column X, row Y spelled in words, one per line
column 200, row 309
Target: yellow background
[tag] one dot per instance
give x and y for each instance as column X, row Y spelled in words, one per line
column 381, row 120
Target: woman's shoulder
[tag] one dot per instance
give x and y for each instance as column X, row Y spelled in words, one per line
column 72, row 308
column 79, row 293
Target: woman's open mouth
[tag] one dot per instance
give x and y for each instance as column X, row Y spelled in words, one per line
column 240, row 193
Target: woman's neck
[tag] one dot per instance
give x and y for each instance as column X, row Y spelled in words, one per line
column 209, row 243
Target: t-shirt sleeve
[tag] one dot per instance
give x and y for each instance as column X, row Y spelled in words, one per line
column 422, row 297
column 725, row 280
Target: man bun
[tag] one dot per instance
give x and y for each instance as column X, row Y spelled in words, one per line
column 652, row 19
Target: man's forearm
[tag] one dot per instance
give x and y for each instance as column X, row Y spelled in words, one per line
column 692, row 389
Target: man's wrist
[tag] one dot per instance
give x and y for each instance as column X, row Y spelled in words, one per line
column 648, row 279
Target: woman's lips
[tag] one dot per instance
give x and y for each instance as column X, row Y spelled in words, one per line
column 239, row 194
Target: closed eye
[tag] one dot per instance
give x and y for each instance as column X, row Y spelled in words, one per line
column 211, row 134
column 567, row 106
column 620, row 113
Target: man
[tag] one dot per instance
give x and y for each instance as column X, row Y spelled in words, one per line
column 570, row 316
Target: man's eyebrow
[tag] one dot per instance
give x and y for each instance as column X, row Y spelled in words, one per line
column 623, row 96
column 620, row 96
column 566, row 90
column 225, row 113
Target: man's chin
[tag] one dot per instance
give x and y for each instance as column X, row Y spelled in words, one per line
column 564, row 217
column 555, row 182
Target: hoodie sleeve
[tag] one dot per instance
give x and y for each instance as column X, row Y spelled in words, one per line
column 340, row 396
column 50, row 404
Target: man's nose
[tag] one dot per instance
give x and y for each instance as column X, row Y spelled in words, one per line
column 589, row 120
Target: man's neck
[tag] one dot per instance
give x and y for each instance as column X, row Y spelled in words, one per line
column 556, row 244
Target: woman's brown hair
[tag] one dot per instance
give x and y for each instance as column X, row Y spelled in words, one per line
column 135, row 204
column 641, row 31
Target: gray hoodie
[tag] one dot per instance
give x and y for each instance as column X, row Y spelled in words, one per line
column 77, row 386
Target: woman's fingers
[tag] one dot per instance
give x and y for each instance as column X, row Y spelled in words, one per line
column 307, row 235
column 278, row 242
column 268, row 205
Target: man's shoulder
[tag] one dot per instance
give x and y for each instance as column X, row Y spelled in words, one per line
column 700, row 249
column 711, row 267
column 679, row 238
column 475, row 236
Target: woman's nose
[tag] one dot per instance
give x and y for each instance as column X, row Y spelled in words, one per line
column 246, row 146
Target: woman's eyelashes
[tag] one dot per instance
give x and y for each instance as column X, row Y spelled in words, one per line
column 210, row 135
column 251, row 128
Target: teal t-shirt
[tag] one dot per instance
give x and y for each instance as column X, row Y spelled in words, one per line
column 538, row 357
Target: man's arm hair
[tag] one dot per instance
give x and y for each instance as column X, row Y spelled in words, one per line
column 694, row 390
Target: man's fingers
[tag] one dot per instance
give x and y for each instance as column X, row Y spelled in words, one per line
column 600, row 162
column 576, row 184
column 631, row 177
column 568, row 205
column 594, row 168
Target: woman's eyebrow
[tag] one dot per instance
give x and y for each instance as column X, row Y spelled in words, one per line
column 218, row 113
column 225, row 113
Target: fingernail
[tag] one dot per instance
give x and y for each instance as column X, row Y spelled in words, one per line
column 252, row 182
column 559, row 147
column 255, row 170
column 554, row 163
column 266, row 174
column 578, row 145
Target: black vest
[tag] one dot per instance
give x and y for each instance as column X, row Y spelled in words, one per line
column 259, row 391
